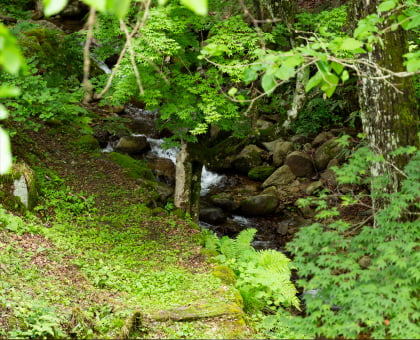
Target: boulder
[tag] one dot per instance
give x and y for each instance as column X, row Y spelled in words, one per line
column 300, row 164
column 329, row 178
column 310, row 189
column 18, row 189
column 212, row 215
column 103, row 137
column 322, row 138
column 270, row 146
column 280, row 152
column 163, row 168
column 248, row 158
column 261, row 172
column 259, row 205
column 263, row 124
column 225, row 201
column 326, row 152
column 133, row 145
column 281, row 177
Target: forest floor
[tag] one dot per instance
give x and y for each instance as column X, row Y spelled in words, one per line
column 93, row 262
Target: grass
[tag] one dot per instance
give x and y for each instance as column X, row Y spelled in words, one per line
column 95, row 263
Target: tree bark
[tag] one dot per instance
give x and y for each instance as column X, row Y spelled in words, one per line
column 389, row 109
column 188, row 183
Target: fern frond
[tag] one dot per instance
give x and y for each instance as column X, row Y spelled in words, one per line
column 274, row 261
column 246, row 236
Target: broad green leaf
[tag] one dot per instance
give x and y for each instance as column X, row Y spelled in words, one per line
column 386, row 6
column 294, row 60
column 329, row 84
column 52, row 7
column 118, row 7
column 250, row 75
column 3, row 112
column 285, row 72
column 5, row 153
column 345, row 76
column 197, row 6
column 338, row 68
column 99, row 5
column 350, row 44
column 162, row 2
column 414, row 22
column 413, row 65
column 9, row 91
column 232, row 91
column 268, row 83
column 314, row 81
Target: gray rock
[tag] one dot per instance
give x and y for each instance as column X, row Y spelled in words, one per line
column 326, row 152
column 259, row 205
column 163, row 168
column 329, row 178
column 270, row 146
column 263, row 124
column 225, row 201
column 132, row 145
column 312, row 187
column 281, row 177
column 322, row 138
column 280, row 152
column 300, row 164
column 212, row 215
column 248, row 158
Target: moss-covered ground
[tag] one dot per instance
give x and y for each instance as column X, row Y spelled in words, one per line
column 91, row 261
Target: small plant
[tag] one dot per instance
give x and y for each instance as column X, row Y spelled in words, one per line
column 263, row 277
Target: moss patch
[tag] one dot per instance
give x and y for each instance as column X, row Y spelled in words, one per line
column 261, row 173
column 135, row 168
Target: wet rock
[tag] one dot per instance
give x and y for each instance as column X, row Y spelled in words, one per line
column 231, row 227
column 333, row 162
column 263, row 124
column 326, row 152
column 299, row 139
column 259, row 205
column 144, row 127
column 225, row 201
column 322, row 138
column 212, row 215
column 312, row 187
column 281, row 177
column 132, row 145
column 261, row 172
column 300, row 164
column 102, row 136
column 248, row 158
column 163, row 168
column 280, row 152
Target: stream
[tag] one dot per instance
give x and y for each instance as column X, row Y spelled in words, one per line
column 272, row 230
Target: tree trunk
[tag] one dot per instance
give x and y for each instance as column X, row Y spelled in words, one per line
column 188, row 183
column 389, row 110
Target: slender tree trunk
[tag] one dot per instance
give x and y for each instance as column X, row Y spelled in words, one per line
column 389, row 109
column 188, row 183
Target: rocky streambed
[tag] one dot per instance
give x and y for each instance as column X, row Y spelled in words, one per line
column 257, row 185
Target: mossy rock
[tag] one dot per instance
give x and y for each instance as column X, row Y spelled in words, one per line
column 135, row 168
column 225, row 274
column 87, row 142
column 261, row 173
column 178, row 212
column 18, row 188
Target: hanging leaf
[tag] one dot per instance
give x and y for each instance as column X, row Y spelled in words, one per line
column 250, row 75
column 330, row 82
column 118, row 7
column 99, row 5
column 162, row 2
column 386, row 6
column 314, row 81
column 285, row 72
column 197, row 6
column 3, row 112
column 52, row 7
column 9, row 91
column 268, row 83
column 350, row 44
column 345, row 76
column 338, row 68
column 232, row 91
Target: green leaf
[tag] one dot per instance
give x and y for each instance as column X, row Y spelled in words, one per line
column 118, row 7
column 250, row 75
column 414, row 22
column 413, row 65
column 5, row 153
column 197, row 6
column 268, row 83
column 285, row 72
column 9, row 91
column 338, row 68
column 314, row 81
column 99, row 5
column 350, row 44
column 329, row 85
column 52, row 7
column 232, row 91
column 386, row 6
column 3, row 112
column 345, row 76
column 162, row 2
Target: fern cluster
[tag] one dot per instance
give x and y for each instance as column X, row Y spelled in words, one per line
column 263, row 277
